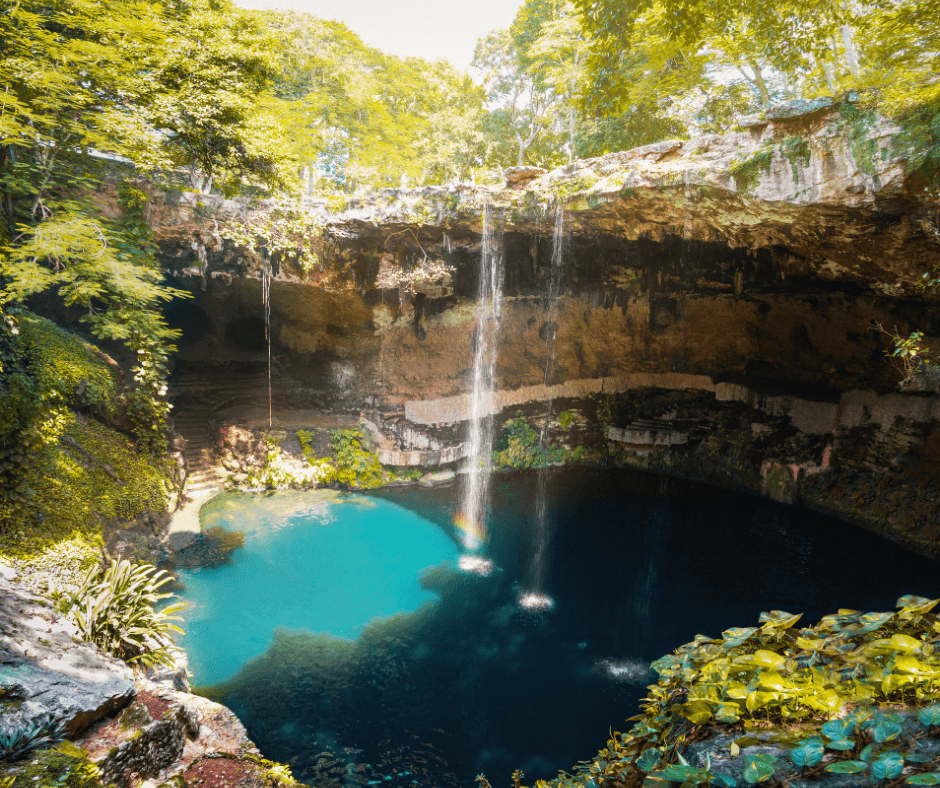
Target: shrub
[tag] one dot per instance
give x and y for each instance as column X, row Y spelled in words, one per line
column 114, row 609
column 18, row 743
column 356, row 465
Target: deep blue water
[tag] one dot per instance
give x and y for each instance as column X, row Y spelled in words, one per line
column 372, row 659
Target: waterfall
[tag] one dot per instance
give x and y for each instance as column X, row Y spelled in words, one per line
column 472, row 515
column 535, row 597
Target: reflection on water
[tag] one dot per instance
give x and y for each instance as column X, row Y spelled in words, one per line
column 464, row 680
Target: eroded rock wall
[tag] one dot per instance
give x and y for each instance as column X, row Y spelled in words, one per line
column 765, row 260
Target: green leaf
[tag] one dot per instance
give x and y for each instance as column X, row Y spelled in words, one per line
column 886, row 731
column 758, row 769
column 649, row 760
column 928, row 778
column 737, row 636
column 888, row 767
column 847, row 767
column 807, row 753
column 841, row 744
column 930, row 715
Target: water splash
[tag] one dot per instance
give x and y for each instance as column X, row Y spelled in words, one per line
column 471, row 519
column 543, row 538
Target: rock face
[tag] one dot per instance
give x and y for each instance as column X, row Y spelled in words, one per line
column 162, row 736
column 46, row 670
column 759, row 259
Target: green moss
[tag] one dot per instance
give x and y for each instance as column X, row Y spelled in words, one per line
column 64, row 766
column 61, row 362
column 858, row 123
column 74, row 494
column 747, row 171
column 134, row 716
column 796, row 150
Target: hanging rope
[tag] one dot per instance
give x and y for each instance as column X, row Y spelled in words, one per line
column 266, row 295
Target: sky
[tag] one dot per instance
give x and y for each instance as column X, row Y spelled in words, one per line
column 431, row 29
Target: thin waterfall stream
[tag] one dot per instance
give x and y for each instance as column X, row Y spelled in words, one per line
column 534, row 597
column 472, row 513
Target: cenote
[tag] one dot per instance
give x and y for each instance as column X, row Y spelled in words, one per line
column 345, row 637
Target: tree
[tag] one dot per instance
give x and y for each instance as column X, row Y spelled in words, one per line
column 370, row 117
column 98, row 90
column 517, row 78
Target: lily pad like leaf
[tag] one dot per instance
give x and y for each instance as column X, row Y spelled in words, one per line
column 889, row 767
column 886, row 731
column 649, row 759
column 780, row 618
column 758, row 769
column 807, row 754
column 919, row 603
column 736, row 636
column 929, row 716
column 838, row 729
column 905, row 644
column 872, row 621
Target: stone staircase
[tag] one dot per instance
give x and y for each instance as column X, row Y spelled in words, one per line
column 197, row 394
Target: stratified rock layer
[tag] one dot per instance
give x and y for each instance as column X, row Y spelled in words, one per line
column 765, row 260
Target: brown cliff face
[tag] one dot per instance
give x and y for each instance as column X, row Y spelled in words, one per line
column 758, row 260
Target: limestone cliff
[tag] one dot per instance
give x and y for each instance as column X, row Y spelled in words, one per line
column 756, row 261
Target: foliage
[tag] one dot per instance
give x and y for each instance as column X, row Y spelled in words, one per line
column 54, row 464
column 522, row 447
column 827, row 678
column 277, row 474
column 103, row 92
column 16, row 744
column 63, row 766
column 910, row 354
column 286, row 233
column 747, row 171
column 357, row 465
column 566, row 418
column 355, row 114
column 114, row 608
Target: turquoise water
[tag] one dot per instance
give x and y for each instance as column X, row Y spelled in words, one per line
column 344, row 636
column 311, row 562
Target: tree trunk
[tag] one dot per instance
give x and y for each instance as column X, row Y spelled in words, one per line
column 827, row 72
column 851, row 54
column 761, row 85
column 758, row 82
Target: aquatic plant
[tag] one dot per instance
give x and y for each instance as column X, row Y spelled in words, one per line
column 114, row 608
column 828, row 679
column 16, row 744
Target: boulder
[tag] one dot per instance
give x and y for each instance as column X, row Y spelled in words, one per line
column 45, row 668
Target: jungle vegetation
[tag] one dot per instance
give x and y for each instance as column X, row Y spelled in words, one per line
column 104, row 101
